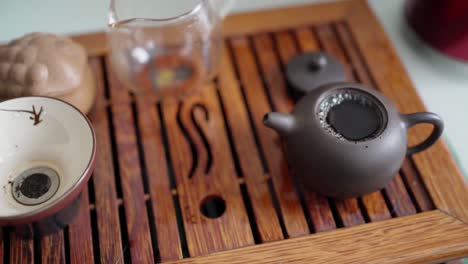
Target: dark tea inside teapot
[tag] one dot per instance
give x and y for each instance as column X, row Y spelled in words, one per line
column 352, row 115
column 346, row 140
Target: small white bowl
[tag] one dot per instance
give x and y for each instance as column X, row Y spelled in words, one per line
column 47, row 152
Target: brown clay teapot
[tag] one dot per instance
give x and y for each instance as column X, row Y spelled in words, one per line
column 345, row 140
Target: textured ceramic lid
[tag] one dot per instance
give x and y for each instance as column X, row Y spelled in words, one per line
column 308, row 71
column 41, row 64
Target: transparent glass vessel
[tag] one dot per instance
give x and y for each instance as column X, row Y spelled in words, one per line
column 165, row 47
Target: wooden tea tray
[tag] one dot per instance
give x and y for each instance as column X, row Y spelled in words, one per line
column 158, row 162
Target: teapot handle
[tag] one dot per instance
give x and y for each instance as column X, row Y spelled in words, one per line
column 410, row 120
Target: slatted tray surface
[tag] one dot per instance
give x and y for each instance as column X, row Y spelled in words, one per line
column 158, row 162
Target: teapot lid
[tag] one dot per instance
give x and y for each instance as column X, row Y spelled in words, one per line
column 308, row 71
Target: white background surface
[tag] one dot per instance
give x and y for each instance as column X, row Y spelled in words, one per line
column 441, row 82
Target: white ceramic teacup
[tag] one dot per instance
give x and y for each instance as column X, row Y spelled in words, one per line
column 47, row 151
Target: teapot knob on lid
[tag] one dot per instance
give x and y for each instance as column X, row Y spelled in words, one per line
column 308, row 71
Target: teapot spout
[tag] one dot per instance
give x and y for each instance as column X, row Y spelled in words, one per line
column 281, row 123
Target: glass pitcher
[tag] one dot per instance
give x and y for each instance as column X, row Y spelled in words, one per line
column 160, row 47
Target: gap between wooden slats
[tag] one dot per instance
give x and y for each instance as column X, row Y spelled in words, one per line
column 22, row 250
column 171, row 174
column 146, row 161
column 106, row 226
column 244, row 150
column 78, row 235
column 417, row 187
column 134, row 205
column 163, row 208
column 53, row 248
column 257, row 105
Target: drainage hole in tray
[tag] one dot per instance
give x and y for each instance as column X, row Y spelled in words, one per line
column 213, row 206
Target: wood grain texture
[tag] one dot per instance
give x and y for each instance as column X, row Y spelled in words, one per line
column 258, row 105
column 188, row 124
column 156, row 164
column 375, row 207
column 329, row 43
column 346, row 40
column 438, row 169
column 413, row 180
column 53, row 248
column 134, row 203
column 249, row 157
column 80, row 234
column 349, row 212
column 320, row 212
column 399, row 199
column 21, row 249
column 165, row 220
column 108, row 223
column 284, row 18
column 426, row 237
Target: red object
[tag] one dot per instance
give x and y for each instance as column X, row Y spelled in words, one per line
column 441, row 23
